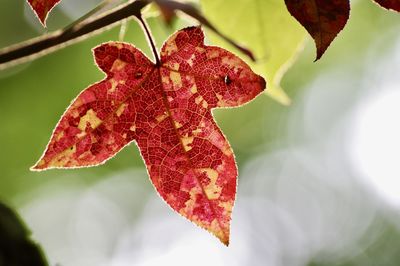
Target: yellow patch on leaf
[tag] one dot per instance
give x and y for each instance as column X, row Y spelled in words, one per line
column 121, row 109
column 114, row 84
column 227, row 206
column 191, row 59
column 91, row 118
column 177, row 124
column 161, row 118
column 60, row 135
column 212, row 54
column 212, row 190
column 190, row 204
column 118, row 65
column 193, row 89
column 186, row 141
column 176, row 78
column 62, row 158
column 199, row 99
column 171, row 46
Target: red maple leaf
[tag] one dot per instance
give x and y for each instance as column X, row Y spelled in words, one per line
column 42, row 8
column 166, row 109
column 323, row 19
column 389, row 4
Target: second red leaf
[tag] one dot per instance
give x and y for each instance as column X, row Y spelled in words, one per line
column 321, row 18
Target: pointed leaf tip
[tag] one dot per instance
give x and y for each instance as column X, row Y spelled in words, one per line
column 389, row 4
column 263, row 83
column 322, row 19
column 42, row 8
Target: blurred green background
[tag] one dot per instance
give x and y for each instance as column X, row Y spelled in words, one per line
column 302, row 198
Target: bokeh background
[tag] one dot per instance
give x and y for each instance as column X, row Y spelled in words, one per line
column 319, row 180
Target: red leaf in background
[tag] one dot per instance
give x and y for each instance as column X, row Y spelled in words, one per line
column 166, row 110
column 42, row 8
column 323, row 19
column 389, row 4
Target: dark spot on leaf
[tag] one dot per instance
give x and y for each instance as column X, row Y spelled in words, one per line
column 227, row 80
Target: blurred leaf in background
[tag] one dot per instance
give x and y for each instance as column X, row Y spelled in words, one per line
column 267, row 28
column 16, row 247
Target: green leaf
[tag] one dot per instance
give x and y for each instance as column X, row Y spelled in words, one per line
column 265, row 27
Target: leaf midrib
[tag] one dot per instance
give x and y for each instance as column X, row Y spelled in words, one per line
column 168, row 109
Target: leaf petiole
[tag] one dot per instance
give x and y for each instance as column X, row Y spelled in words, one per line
column 149, row 38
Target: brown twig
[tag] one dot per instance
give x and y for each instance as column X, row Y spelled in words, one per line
column 43, row 45
column 193, row 12
column 34, row 48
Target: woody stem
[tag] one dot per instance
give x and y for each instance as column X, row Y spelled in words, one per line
column 149, row 38
column 37, row 47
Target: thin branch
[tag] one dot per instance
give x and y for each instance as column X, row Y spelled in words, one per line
column 192, row 11
column 34, row 48
column 150, row 39
column 80, row 30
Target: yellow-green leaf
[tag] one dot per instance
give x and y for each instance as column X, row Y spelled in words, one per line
column 265, row 27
